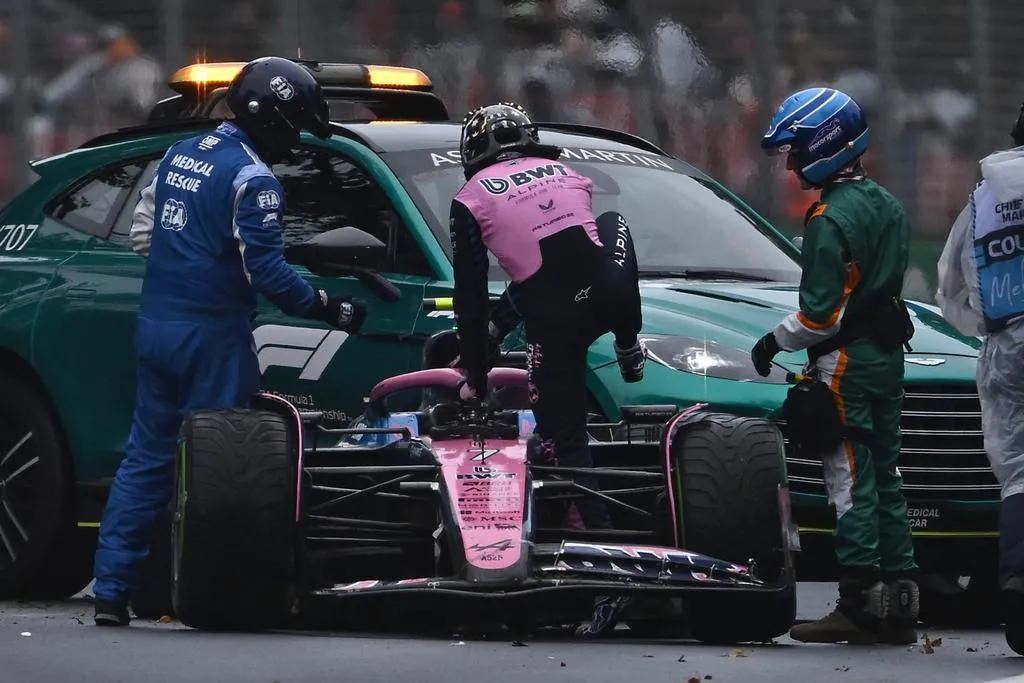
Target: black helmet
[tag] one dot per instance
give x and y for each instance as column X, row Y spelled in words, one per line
column 273, row 100
column 1017, row 132
column 496, row 132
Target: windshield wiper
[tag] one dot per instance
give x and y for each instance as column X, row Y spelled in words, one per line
column 702, row 274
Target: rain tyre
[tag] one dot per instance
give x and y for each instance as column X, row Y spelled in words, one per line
column 727, row 472
column 234, row 533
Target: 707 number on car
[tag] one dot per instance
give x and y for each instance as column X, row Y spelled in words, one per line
column 14, row 236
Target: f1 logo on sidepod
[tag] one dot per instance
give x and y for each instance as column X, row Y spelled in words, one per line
column 304, row 348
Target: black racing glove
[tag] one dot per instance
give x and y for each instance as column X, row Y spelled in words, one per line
column 340, row 312
column 763, row 352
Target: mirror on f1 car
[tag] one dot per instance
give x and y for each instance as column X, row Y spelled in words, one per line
column 346, row 251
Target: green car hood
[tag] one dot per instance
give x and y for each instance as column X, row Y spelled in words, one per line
column 737, row 315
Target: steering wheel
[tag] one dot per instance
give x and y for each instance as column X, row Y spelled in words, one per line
column 461, row 419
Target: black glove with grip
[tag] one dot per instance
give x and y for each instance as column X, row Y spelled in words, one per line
column 763, row 352
column 340, row 312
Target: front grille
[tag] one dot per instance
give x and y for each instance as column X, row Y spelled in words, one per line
column 942, row 455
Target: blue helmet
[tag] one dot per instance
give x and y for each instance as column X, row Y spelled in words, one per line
column 824, row 128
column 273, row 100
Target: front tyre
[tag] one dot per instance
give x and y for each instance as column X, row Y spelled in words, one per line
column 726, row 473
column 234, row 532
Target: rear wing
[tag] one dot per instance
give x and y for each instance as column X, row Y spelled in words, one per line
column 388, row 92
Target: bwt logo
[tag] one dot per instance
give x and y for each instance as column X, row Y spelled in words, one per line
column 304, row 348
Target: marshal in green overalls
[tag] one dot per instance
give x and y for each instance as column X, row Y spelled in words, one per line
column 855, row 253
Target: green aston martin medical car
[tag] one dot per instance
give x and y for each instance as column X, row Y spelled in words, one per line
column 715, row 275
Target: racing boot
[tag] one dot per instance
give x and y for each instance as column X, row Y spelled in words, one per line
column 607, row 610
column 1011, row 569
column 900, row 626
column 631, row 362
column 863, row 606
column 1013, row 604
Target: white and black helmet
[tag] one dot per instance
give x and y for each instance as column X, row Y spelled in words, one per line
column 496, row 132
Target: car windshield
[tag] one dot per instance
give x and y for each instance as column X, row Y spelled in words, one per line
column 682, row 224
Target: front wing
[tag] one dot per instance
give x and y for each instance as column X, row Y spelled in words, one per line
column 586, row 567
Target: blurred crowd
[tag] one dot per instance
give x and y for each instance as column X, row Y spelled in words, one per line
column 700, row 76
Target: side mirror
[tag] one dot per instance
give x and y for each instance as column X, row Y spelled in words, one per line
column 346, row 251
column 798, row 241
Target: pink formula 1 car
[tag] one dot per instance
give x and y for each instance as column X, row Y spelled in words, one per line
column 428, row 509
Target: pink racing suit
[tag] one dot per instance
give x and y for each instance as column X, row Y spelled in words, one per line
column 574, row 279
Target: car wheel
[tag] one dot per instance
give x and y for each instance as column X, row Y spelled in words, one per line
column 234, row 533
column 44, row 555
column 727, row 471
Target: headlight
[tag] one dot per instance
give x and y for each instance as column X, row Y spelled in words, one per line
column 706, row 358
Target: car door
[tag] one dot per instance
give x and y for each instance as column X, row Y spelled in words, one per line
column 83, row 340
column 318, row 367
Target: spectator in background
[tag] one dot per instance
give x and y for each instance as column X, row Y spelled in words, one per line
column 130, row 81
column 241, row 32
column 6, row 82
column 539, row 51
column 117, row 84
column 368, row 35
column 450, row 54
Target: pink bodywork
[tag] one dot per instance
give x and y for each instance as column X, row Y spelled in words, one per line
column 487, row 481
column 488, row 487
column 298, row 423
column 670, row 432
column 444, row 378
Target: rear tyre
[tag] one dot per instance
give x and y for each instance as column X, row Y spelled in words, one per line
column 726, row 474
column 44, row 555
column 234, row 533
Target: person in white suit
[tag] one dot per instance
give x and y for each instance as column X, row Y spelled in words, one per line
column 981, row 293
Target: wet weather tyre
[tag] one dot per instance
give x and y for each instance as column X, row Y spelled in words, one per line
column 726, row 473
column 44, row 554
column 234, row 533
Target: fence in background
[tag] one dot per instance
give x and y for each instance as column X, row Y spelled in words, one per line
column 940, row 80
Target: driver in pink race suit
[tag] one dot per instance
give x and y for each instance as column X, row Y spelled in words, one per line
column 573, row 279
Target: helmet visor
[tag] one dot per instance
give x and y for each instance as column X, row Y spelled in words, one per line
column 316, row 119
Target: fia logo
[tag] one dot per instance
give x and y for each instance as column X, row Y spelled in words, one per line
column 280, row 86
column 304, row 348
column 174, row 215
column 268, row 200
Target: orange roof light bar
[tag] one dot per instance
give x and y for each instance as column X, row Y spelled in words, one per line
column 217, row 74
column 397, row 77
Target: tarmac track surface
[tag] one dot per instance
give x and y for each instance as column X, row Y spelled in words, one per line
column 58, row 643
